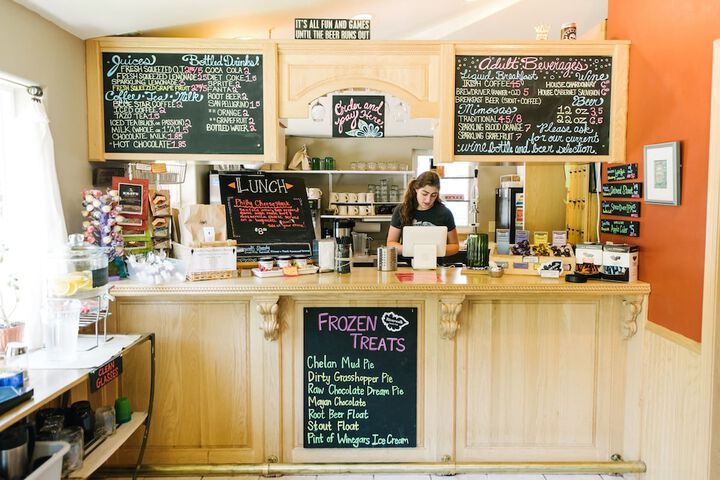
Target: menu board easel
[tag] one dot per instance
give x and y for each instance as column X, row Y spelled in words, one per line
column 268, row 214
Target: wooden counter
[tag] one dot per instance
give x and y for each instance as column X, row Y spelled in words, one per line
column 512, row 369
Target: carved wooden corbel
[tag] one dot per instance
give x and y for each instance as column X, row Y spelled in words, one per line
column 268, row 308
column 633, row 307
column 449, row 323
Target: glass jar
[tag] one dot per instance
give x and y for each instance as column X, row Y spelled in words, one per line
column 80, row 266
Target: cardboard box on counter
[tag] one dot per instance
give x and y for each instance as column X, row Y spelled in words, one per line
column 208, row 260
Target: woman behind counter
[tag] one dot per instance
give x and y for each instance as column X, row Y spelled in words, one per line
column 421, row 206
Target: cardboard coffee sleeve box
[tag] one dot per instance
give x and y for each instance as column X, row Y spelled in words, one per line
column 588, row 259
column 620, row 263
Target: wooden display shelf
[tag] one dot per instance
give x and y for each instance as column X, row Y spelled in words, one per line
column 102, row 452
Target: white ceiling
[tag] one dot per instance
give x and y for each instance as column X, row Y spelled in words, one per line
column 392, row 19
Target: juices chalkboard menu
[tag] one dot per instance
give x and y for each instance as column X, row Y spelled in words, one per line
column 183, row 103
column 360, row 377
column 268, row 214
column 532, row 105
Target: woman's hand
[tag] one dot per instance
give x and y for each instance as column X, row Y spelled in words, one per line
column 393, row 238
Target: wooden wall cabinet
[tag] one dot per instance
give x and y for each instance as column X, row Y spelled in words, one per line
column 421, row 73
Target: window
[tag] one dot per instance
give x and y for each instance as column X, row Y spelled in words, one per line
column 456, row 184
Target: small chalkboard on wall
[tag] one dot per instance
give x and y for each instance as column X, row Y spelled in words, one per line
column 358, row 116
column 627, row 228
column 267, row 213
column 360, row 377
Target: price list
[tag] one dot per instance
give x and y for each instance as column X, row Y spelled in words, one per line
column 532, row 105
column 183, row 103
column 360, row 377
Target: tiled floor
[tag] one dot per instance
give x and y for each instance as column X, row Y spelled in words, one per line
column 492, row 476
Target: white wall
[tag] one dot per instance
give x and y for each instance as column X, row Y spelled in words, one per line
column 41, row 53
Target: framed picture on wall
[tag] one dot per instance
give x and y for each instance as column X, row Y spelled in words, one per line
column 662, row 173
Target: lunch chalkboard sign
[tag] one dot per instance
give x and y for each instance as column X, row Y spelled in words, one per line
column 360, row 377
column 622, row 172
column 267, row 213
column 532, row 105
column 183, row 103
column 620, row 209
column 622, row 190
column 626, row 228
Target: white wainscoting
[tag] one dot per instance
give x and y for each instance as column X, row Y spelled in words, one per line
column 670, row 442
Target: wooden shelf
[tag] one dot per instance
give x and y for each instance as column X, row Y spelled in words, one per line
column 109, row 446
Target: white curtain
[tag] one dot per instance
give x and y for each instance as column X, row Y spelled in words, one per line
column 34, row 222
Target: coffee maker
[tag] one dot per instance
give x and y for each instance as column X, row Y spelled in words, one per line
column 314, row 195
column 16, row 444
column 342, row 230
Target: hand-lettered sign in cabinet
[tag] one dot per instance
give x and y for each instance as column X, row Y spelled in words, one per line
column 268, row 214
column 360, row 377
column 183, row 103
column 533, row 105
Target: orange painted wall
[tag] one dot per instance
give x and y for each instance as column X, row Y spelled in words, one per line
column 669, row 100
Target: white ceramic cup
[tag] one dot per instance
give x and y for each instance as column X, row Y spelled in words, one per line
column 334, row 197
column 364, row 210
column 342, row 210
column 370, row 197
column 314, row 193
column 353, row 210
column 362, row 197
column 352, row 197
column 342, row 197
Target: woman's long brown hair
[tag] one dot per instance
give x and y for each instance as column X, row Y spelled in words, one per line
column 409, row 203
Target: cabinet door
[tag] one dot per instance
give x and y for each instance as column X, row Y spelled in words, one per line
column 207, row 408
column 534, row 381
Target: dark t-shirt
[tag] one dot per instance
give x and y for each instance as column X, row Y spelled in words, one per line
column 438, row 215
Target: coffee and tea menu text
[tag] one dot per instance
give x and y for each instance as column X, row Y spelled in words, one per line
column 360, row 377
column 532, row 105
column 183, row 103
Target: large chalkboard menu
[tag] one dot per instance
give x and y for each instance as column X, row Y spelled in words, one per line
column 360, row 377
column 267, row 213
column 183, row 103
column 532, row 105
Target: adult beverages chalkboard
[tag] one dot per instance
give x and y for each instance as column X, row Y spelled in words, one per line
column 360, row 377
column 622, row 190
column 268, row 214
column 183, row 103
column 621, row 209
column 626, row 228
column 532, row 105
column 622, row 172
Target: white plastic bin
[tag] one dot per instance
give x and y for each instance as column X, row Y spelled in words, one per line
column 52, row 468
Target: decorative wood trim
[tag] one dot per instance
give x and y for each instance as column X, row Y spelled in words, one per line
column 449, row 323
column 673, row 337
column 452, row 282
column 268, row 308
column 633, row 306
column 709, row 435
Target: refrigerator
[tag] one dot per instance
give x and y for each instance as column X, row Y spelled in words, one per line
column 509, row 209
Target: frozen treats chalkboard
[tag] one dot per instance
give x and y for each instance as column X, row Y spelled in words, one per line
column 532, row 105
column 360, row 377
column 183, row 103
